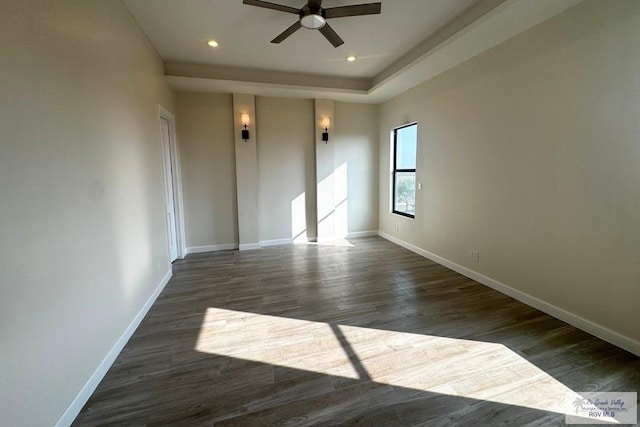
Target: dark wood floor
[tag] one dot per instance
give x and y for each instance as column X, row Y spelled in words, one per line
column 365, row 335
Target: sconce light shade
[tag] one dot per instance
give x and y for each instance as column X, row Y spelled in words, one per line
column 244, row 118
column 325, row 124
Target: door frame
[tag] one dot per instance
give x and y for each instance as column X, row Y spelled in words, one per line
column 174, row 156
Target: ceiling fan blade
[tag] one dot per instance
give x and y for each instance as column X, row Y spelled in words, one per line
column 274, row 6
column 331, row 35
column 354, row 10
column 286, row 33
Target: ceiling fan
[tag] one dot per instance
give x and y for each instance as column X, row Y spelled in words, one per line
column 313, row 17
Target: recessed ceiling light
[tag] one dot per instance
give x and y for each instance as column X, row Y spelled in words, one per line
column 351, row 58
column 212, row 43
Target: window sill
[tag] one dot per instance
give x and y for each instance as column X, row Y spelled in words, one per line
column 406, row 215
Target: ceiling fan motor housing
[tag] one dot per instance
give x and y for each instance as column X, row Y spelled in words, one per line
column 312, row 19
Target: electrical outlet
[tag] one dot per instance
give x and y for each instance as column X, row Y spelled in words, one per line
column 396, row 227
column 475, row 255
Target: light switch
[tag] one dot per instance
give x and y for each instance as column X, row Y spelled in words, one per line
column 419, row 186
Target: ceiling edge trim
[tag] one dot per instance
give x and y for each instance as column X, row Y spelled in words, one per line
column 207, row 71
column 194, row 84
column 495, row 22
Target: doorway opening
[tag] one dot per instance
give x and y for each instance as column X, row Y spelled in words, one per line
column 172, row 186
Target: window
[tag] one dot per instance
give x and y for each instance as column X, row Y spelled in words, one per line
column 405, row 143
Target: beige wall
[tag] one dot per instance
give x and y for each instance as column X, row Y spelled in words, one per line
column 82, row 226
column 285, row 164
column 284, row 136
column 205, row 134
column 530, row 154
column 356, row 149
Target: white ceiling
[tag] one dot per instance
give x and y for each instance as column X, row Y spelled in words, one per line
column 179, row 30
column 408, row 43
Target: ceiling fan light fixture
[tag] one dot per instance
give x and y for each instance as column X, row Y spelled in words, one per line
column 313, row 21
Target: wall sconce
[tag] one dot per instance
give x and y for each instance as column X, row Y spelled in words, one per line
column 244, row 118
column 325, row 125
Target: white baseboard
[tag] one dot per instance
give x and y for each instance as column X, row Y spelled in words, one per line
column 276, row 242
column 579, row 322
column 249, row 246
column 212, row 248
column 90, row 386
column 351, row 235
column 355, row 234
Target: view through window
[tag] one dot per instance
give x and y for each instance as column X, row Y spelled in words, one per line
column 405, row 142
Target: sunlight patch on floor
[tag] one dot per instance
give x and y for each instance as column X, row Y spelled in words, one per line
column 329, row 242
column 473, row 369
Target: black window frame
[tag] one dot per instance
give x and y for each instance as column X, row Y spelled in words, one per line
column 396, row 170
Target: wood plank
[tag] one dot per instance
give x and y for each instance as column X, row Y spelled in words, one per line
column 370, row 335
